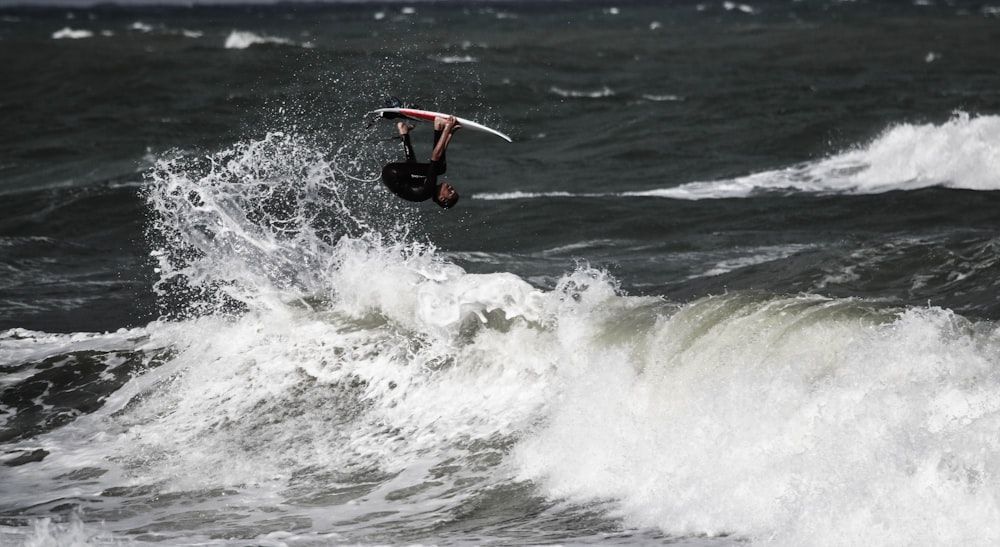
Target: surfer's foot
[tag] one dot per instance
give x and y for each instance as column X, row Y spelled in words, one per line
column 404, row 128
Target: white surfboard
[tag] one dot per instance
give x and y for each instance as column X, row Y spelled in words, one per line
column 428, row 116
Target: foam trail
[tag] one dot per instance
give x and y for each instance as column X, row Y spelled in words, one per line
column 502, row 196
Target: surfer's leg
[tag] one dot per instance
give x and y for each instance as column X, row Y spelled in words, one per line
column 404, row 136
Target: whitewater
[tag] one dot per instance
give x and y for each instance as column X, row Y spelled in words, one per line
column 326, row 377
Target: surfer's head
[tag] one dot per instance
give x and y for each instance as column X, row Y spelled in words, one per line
column 446, row 195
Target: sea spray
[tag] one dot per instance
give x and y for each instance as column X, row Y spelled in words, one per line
column 257, row 221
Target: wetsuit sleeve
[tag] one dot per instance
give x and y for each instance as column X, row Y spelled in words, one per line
column 437, row 137
column 440, row 166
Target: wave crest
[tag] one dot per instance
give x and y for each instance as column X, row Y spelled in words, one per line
column 960, row 153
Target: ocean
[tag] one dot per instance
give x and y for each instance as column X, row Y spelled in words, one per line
column 735, row 282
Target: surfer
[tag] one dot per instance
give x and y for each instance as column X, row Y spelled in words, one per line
column 415, row 181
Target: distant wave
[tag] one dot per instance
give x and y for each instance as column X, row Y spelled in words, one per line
column 583, row 94
column 67, row 33
column 960, row 153
column 454, row 59
column 606, row 92
column 733, row 6
column 666, row 97
column 241, row 39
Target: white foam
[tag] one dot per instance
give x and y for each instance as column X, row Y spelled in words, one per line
column 750, row 257
column 959, row 153
column 582, row 94
column 242, row 39
column 502, row 196
column 665, row 97
column 455, row 59
column 23, row 346
column 67, row 33
column 46, row 532
column 744, row 8
column 424, row 294
column 787, row 421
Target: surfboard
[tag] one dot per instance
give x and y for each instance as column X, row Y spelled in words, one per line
column 428, row 116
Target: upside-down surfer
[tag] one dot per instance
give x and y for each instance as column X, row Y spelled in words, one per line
column 416, row 181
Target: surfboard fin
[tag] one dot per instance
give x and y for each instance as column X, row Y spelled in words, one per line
column 392, row 101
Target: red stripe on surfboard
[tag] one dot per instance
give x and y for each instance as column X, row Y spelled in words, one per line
column 422, row 114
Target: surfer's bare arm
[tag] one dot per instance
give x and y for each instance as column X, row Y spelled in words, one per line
column 448, row 126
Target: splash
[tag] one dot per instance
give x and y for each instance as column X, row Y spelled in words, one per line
column 257, row 225
column 47, row 532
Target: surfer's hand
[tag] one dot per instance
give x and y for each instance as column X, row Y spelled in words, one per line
column 451, row 124
column 403, row 127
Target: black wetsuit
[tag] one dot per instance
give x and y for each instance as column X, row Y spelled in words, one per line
column 411, row 180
